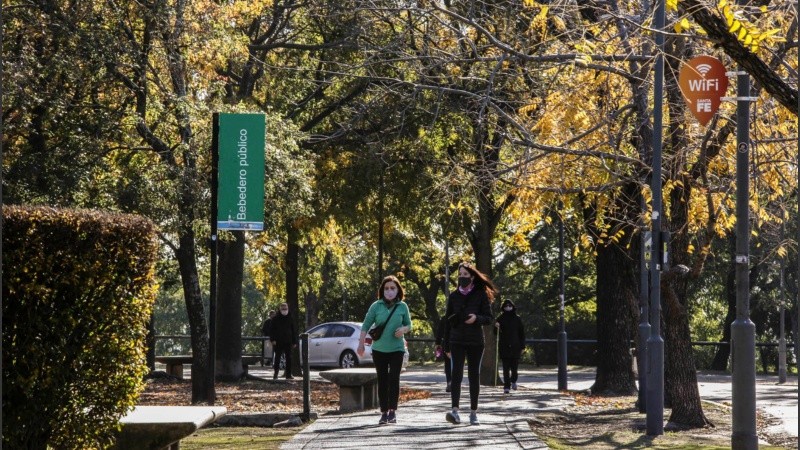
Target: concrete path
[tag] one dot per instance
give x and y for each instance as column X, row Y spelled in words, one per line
column 421, row 424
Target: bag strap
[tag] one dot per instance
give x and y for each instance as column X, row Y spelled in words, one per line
column 390, row 315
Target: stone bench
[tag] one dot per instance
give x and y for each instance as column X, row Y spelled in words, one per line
column 174, row 363
column 358, row 388
column 162, row 427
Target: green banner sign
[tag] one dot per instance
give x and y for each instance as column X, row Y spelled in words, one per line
column 240, row 193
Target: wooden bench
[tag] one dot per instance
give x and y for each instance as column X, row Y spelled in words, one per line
column 358, row 388
column 162, row 427
column 174, row 363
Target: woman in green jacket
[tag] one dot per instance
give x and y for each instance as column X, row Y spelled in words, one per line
column 390, row 312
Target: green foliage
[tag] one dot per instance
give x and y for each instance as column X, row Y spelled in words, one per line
column 78, row 289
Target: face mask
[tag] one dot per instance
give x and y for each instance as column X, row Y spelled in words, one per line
column 464, row 281
column 284, row 312
column 389, row 295
column 508, row 308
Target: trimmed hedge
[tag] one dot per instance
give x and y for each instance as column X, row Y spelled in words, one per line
column 77, row 293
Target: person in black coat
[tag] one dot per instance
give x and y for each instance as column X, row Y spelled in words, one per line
column 283, row 335
column 511, row 343
column 469, row 308
column 439, row 336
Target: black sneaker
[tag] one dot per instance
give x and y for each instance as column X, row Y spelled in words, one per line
column 384, row 419
column 391, row 417
column 448, row 388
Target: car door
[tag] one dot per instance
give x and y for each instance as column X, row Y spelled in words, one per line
column 316, row 340
column 339, row 336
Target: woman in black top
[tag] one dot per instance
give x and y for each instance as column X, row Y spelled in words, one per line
column 511, row 343
column 468, row 310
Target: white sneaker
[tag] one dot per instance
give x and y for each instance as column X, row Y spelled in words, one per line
column 452, row 417
column 514, row 386
column 505, row 391
column 473, row 418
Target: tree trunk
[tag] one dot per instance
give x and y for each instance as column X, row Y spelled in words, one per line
column 680, row 377
column 617, row 305
column 198, row 327
column 150, row 342
column 482, row 246
column 724, row 351
column 229, row 309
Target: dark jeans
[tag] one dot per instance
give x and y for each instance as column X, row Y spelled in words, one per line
column 388, row 366
column 473, row 354
column 282, row 349
column 510, row 366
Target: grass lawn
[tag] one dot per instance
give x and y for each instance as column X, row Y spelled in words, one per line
column 251, row 438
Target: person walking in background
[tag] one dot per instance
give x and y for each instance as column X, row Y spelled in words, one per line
column 283, row 335
column 390, row 314
column 265, row 326
column 265, row 332
column 469, row 308
column 440, row 354
column 511, row 343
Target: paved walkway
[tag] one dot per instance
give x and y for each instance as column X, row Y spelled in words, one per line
column 421, row 423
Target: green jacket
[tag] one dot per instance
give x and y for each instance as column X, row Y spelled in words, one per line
column 377, row 314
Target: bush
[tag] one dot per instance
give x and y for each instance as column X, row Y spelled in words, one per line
column 77, row 293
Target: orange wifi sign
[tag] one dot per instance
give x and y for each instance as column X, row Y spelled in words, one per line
column 703, row 82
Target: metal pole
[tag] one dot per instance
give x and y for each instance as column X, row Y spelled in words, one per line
column 797, row 219
column 655, row 343
column 446, row 268
column 306, row 379
column 743, row 336
column 782, row 328
column 211, row 368
column 562, row 334
column 644, row 321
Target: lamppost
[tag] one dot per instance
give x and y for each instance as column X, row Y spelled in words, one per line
column 644, row 320
column 655, row 343
column 562, row 334
column 743, row 331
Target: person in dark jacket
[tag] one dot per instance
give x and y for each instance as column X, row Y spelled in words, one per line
column 439, row 336
column 283, row 335
column 511, row 343
column 469, row 308
column 265, row 326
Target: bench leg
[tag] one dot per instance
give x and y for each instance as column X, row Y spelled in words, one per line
column 370, row 395
column 176, row 370
column 351, row 398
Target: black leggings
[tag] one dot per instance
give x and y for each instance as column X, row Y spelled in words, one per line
column 510, row 366
column 388, row 366
column 473, row 355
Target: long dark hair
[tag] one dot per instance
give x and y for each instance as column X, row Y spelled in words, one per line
column 480, row 280
column 400, row 292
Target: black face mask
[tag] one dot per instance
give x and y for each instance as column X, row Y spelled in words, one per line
column 464, row 281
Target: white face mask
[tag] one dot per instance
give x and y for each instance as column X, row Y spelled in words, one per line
column 508, row 308
column 389, row 291
column 284, row 312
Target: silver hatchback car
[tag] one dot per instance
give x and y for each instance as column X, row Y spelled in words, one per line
column 334, row 344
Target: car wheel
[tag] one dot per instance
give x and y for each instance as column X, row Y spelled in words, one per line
column 348, row 360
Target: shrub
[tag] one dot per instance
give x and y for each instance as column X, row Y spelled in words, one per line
column 77, row 293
